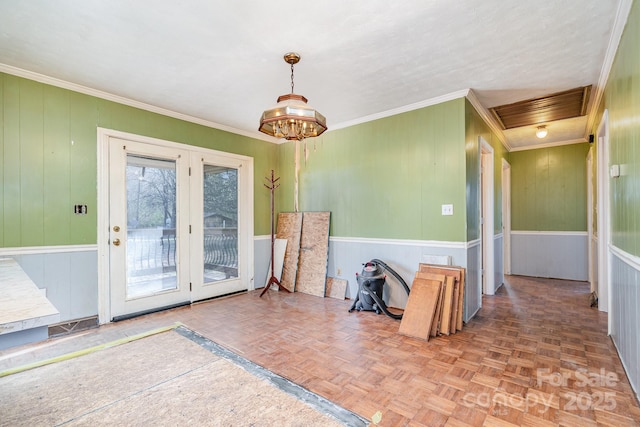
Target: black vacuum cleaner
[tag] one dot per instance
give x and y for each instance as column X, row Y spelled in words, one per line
column 370, row 287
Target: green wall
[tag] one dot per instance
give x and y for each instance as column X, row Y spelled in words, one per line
column 48, row 163
column 549, row 189
column 476, row 127
column 622, row 99
column 387, row 178
column 384, row 179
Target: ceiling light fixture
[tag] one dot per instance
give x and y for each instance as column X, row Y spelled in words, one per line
column 292, row 118
column 541, row 132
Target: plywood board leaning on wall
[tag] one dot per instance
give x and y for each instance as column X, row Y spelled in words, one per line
column 290, row 228
column 447, row 305
column 461, row 300
column 437, row 318
column 420, row 310
column 454, row 305
column 314, row 254
column 336, row 288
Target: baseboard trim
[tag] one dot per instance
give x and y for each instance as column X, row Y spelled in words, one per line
column 42, row 250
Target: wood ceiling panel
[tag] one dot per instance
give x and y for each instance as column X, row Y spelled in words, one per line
column 557, row 106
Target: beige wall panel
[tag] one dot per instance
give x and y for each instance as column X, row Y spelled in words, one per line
column 290, row 228
column 336, row 288
column 314, row 252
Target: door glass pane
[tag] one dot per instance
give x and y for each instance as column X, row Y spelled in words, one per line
column 151, row 226
column 220, row 223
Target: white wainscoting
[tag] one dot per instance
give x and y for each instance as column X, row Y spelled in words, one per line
column 624, row 315
column 347, row 254
column 553, row 254
column 262, row 260
column 68, row 273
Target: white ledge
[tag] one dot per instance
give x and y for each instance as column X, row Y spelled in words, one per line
column 22, row 304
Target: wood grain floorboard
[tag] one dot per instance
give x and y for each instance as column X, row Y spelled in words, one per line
column 536, row 354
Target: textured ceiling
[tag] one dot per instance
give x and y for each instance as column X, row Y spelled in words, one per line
column 221, row 62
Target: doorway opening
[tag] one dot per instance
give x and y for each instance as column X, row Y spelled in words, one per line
column 486, row 217
column 592, row 248
column 506, row 217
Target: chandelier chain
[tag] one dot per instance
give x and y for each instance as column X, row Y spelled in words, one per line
column 291, row 78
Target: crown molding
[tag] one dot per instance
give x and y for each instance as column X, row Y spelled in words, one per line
column 404, row 109
column 488, row 118
column 619, row 23
column 19, row 72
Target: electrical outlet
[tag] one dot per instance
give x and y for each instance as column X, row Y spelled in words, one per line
column 447, row 209
column 338, row 272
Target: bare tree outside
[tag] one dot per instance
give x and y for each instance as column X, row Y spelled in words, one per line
column 152, row 218
column 220, row 223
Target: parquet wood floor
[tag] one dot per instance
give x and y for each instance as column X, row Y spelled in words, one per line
column 536, row 354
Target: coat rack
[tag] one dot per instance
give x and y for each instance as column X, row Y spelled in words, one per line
column 273, row 279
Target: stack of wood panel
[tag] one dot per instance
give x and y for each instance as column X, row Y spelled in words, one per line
column 435, row 304
column 307, row 251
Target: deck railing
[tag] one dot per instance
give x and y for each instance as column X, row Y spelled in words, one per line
column 152, row 251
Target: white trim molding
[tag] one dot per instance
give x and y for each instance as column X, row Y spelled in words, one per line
column 472, row 243
column 19, row 72
column 429, row 243
column 488, row 118
column 631, row 260
column 404, row 109
column 42, row 250
column 614, row 41
column 486, row 179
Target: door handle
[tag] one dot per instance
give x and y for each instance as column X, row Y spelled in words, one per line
column 116, row 242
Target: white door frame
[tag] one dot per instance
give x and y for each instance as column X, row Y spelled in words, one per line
column 245, row 235
column 506, row 216
column 487, row 215
column 590, row 231
column 604, row 235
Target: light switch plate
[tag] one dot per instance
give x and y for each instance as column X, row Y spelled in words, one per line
column 447, row 209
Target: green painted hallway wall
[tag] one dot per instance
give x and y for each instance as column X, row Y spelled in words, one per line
column 549, row 188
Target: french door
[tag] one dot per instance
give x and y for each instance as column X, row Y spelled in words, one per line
column 179, row 225
column 216, row 236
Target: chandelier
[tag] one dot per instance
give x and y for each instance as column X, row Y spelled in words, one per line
column 292, row 118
